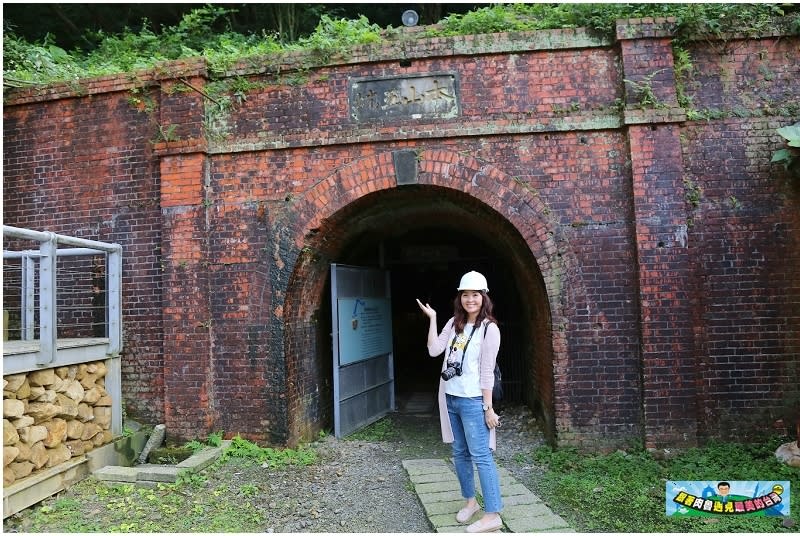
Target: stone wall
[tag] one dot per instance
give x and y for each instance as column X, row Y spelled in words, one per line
column 52, row 415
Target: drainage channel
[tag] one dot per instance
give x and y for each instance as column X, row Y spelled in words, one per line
column 149, row 475
column 437, row 488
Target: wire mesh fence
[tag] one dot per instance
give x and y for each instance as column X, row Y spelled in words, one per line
column 81, row 302
column 60, row 287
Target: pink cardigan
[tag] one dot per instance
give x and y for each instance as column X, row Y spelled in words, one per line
column 490, row 344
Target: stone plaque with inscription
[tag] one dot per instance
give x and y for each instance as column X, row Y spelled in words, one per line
column 409, row 97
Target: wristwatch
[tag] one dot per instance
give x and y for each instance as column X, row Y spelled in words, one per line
column 487, row 407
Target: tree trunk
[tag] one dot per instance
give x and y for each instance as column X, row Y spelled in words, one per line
column 430, row 13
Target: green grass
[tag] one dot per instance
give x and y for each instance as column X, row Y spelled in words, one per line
column 131, row 509
column 617, row 492
column 382, row 430
column 267, row 456
column 625, row 491
column 196, row 502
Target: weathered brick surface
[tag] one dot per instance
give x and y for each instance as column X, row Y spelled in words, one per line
column 644, row 313
column 668, row 373
column 745, row 78
column 744, row 245
column 649, row 71
column 84, row 167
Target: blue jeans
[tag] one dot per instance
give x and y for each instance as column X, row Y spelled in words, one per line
column 471, row 443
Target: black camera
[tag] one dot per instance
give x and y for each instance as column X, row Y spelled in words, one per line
column 453, row 369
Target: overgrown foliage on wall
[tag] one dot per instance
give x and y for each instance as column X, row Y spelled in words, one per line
column 29, row 63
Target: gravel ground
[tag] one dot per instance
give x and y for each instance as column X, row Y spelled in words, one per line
column 357, row 485
column 361, row 486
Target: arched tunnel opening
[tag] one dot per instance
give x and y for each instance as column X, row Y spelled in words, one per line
column 427, row 237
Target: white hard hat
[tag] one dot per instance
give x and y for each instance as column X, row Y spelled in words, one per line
column 473, row 281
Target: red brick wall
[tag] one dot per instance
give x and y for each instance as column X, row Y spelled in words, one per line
column 645, row 316
column 83, row 166
column 744, row 245
column 743, row 237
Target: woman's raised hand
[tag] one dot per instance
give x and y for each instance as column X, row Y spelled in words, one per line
column 427, row 309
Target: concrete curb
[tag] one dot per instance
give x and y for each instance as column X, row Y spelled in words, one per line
column 150, row 475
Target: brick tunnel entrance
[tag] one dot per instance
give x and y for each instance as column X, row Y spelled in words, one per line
column 427, row 237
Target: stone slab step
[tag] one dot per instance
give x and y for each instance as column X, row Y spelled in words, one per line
column 437, row 487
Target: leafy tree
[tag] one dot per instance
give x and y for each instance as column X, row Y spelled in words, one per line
column 293, row 20
column 74, row 25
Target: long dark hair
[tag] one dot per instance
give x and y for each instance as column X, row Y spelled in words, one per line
column 460, row 315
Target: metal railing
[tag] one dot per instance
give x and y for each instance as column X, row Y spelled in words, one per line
column 51, row 297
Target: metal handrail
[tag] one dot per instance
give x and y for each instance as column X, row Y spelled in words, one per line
column 47, row 255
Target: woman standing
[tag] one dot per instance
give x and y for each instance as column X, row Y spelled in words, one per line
column 470, row 341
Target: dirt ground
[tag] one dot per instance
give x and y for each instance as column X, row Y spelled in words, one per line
column 357, row 485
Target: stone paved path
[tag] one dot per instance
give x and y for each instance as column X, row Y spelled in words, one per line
column 437, row 486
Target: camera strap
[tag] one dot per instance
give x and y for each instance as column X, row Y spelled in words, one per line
column 466, row 345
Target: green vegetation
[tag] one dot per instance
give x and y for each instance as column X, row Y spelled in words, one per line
column 167, row 508
column 196, row 502
column 643, row 91
column 336, row 37
column 267, row 456
column 616, row 492
column 694, row 194
column 789, row 157
column 625, row 491
column 197, row 35
column 381, row 430
column 39, row 63
column 692, row 20
column 213, row 440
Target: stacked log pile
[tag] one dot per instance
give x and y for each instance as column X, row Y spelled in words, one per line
column 52, row 415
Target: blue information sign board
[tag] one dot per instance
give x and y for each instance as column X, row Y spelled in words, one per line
column 365, row 328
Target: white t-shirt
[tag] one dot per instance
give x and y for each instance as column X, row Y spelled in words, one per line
column 468, row 384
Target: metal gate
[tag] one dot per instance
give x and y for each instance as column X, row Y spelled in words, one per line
column 363, row 367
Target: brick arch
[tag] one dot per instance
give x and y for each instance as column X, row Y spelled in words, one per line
column 520, row 205
column 330, row 197
column 345, row 185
